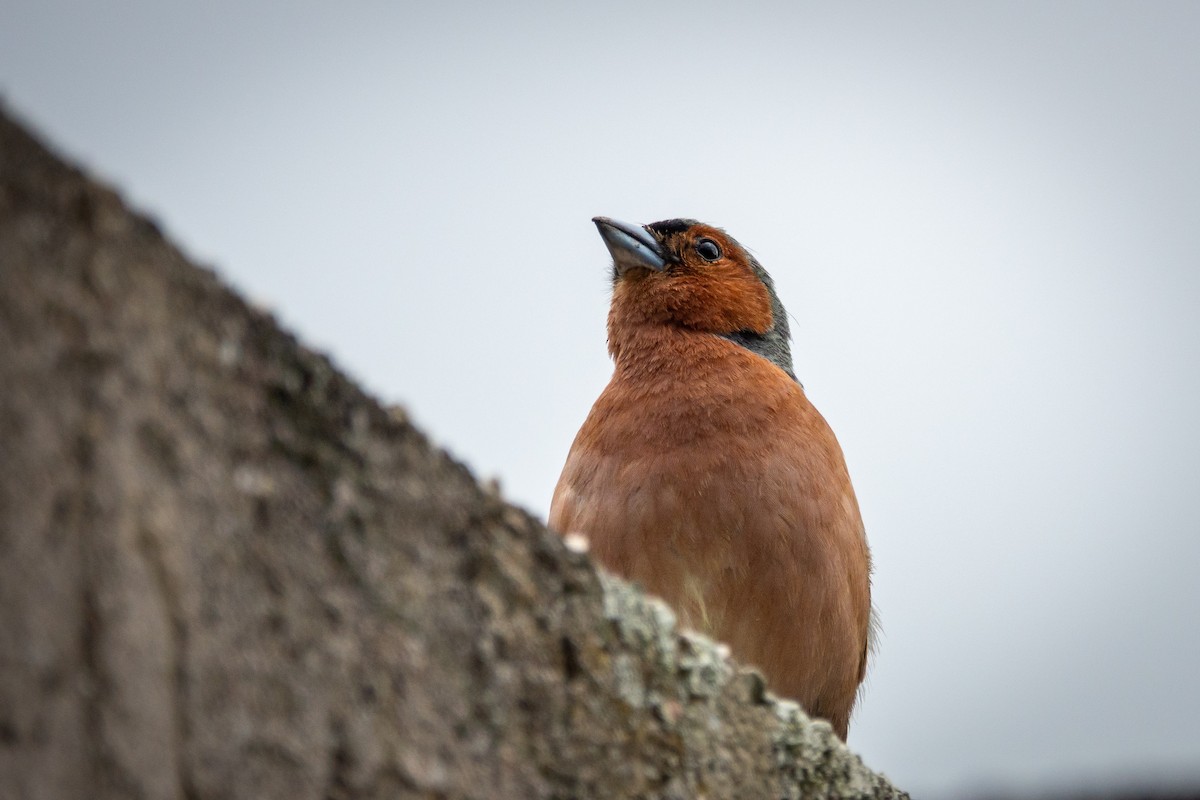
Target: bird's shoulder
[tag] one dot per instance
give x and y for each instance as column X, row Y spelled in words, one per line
column 699, row 385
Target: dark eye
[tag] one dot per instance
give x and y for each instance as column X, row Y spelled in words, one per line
column 708, row 249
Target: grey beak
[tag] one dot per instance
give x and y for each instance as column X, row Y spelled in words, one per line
column 632, row 246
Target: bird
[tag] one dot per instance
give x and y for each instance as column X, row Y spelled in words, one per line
column 703, row 473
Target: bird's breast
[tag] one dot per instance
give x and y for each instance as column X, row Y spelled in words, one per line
column 699, row 467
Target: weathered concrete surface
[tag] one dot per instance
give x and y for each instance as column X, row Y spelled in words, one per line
column 226, row 572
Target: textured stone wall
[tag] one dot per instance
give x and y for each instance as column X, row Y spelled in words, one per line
column 225, row 571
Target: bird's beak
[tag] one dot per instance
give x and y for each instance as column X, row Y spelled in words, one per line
column 631, row 246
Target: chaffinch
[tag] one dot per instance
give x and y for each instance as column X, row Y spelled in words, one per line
column 704, row 474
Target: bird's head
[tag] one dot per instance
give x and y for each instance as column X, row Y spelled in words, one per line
column 683, row 273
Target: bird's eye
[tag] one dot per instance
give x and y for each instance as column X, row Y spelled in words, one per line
column 708, row 249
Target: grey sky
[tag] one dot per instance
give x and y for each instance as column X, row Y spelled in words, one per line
column 984, row 220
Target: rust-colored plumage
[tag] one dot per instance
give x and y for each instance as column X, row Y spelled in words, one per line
column 704, row 474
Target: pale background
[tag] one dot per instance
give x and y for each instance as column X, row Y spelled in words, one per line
column 984, row 219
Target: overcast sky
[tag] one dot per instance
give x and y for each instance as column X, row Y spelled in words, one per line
column 983, row 219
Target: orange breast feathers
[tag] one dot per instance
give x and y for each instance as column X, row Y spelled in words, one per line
column 704, row 474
